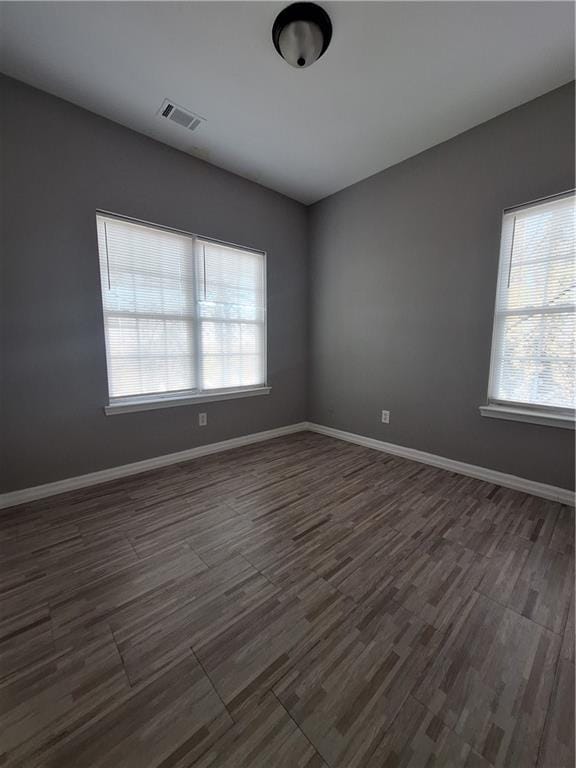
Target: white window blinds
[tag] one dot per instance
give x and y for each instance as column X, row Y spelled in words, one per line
column 533, row 349
column 231, row 313
column 181, row 315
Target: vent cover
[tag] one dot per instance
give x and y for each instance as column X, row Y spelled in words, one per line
column 181, row 116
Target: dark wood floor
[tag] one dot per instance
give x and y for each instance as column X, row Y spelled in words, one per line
column 298, row 603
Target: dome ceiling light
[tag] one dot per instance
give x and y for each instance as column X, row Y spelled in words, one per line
column 301, row 34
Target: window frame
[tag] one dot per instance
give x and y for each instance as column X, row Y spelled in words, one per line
column 511, row 410
column 158, row 400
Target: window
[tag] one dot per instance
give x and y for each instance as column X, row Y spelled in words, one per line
column 184, row 317
column 532, row 370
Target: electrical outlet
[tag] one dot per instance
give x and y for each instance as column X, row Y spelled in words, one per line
column 385, row 417
column 202, row 419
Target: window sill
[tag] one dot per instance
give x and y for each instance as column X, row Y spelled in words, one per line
column 132, row 404
column 545, row 418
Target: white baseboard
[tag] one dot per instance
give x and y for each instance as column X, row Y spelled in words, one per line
column 105, row 475
column 552, row 492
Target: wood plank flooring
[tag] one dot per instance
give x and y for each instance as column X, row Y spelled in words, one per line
column 301, row 603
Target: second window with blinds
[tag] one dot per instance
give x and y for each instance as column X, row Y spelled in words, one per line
column 533, row 355
column 184, row 317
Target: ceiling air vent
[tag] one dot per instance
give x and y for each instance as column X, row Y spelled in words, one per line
column 180, row 115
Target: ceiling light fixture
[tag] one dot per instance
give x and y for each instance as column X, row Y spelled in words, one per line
column 302, row 33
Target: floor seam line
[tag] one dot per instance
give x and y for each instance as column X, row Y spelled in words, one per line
column 446, row 725
column 212, row 685
column 527, row 618
column 552, row 691
column 549, row 707
column 300, row 729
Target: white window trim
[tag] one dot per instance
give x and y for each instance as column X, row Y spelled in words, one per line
column 523, row 412
column 528, row 415
column 154, row 402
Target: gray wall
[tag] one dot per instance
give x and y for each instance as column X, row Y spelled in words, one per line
column 404, row 271
column 61, row 163
column 400, row 299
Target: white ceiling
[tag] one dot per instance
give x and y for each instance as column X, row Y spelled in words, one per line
column 398, row 77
